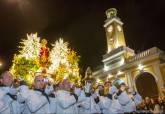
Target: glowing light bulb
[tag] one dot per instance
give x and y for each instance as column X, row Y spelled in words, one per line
column 140, row 67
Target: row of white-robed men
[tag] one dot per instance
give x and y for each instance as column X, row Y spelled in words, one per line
column 38, row 100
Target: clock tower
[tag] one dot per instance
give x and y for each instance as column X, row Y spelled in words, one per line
column 114, row 30
column 117, row 51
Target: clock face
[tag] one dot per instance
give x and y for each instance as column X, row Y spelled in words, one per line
column 118, row 27
column 110, row 28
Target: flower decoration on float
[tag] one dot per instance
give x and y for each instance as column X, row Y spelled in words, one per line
column 35, row 57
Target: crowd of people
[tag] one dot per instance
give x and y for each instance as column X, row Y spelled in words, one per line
column 16, row 97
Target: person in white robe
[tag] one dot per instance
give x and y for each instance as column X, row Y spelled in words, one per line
column 65, row 100
column 115, row 107
column 8, row 95
column 36, row 100
column 83, row 103
column 126, row 102
column 102, row 97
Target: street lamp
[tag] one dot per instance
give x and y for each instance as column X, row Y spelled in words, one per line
column 140, row 67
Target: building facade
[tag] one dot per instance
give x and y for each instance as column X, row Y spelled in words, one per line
column 143, row 72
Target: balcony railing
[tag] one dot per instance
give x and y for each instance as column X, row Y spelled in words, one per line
column 143, row 54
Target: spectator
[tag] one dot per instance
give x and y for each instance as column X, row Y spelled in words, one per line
column 157, row 109
column 148, row 105
column 152, row 104
column 141, row 106
column 161, row 103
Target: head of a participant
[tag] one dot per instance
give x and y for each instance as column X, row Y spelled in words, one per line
column 107, row 85
column 39, row 82
column 100, row 88
column 65, row 85
column 6, row 78
column 147, row 100
column 122, row 86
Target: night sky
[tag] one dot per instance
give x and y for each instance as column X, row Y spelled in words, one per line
column 80, row 22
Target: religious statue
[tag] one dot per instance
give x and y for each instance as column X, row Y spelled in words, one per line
column 44, row 53
column 88, row 76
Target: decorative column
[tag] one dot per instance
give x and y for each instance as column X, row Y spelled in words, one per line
column 129, row 79
column 159, row 77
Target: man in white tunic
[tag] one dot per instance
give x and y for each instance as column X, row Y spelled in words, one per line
column 65, row 100
column 103, row 100
column 126, row 102
column 8, row 95
column 36, row 100
column 83, row 103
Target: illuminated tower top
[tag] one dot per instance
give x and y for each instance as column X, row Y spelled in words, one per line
column 112, row 12
column 114, row 30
